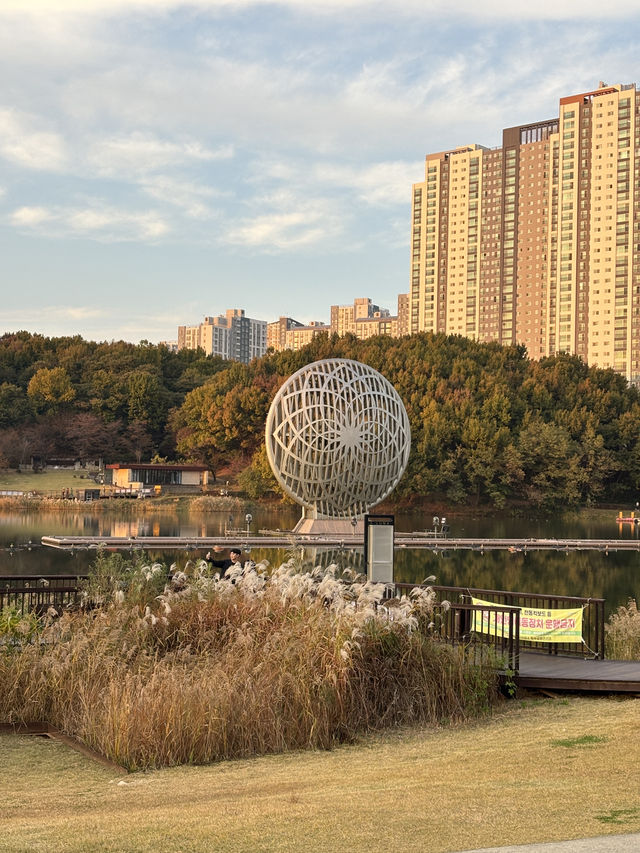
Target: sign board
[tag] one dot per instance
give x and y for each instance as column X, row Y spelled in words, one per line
column 537, row 625
column 378, row 547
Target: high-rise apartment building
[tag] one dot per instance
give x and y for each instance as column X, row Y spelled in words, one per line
column 232, row 336
column 538, row 241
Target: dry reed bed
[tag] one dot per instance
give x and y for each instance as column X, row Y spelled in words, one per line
column 207, row 668
column 126, row 506
column 622, row 633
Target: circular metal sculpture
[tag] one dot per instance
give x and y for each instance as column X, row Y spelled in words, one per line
column 338, row 437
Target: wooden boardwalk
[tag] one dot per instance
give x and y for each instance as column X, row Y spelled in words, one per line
column 539, row 671
column 284, row 539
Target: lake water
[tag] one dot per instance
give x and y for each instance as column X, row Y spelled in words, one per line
column 615, row 577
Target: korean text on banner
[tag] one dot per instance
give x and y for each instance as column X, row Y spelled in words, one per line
column 537, row 624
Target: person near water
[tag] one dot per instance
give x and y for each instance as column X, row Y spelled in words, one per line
column 234, row 557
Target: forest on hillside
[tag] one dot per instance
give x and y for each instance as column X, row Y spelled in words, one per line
column 488, row 424
column 70, row 398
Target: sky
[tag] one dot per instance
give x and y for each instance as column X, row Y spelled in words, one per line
column 162, row 161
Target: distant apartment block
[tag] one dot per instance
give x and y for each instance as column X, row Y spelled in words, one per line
column 402, row 320
column 362, row 319
column 277, row 332
column 231, row 336
column 537, row 242
column 344, row 317
column 299, row 336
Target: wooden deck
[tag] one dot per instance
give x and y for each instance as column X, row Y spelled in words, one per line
column 539, row 671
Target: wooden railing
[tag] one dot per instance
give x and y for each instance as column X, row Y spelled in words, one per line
column 454, row 622
column 592, row 619
column 33, row 593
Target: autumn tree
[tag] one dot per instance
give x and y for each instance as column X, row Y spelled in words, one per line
column 50, row 389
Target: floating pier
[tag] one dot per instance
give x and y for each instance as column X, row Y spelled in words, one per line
column 285, row 540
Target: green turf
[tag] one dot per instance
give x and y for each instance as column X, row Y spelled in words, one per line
column 51, row 480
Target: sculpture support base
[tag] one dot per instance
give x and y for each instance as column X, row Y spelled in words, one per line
column 310, row 526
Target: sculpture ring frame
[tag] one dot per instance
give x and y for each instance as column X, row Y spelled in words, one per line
column 337, row 437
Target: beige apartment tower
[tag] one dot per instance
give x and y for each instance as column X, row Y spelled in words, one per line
column 537, row 242
column 230, row 336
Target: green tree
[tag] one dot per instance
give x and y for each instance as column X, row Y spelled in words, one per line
column 14, row 405
column 145, row 398
column 258, row 480
column 546, row 451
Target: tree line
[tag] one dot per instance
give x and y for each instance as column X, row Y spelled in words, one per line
column 488, row 424
column 70, row 398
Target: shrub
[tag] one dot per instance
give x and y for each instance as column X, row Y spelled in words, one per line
column 251, row 663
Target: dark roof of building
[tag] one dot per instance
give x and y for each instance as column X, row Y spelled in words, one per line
column 151, row 466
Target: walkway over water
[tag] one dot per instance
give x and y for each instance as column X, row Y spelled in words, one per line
column 571, row 666
column 283, row 539
column 555, row 672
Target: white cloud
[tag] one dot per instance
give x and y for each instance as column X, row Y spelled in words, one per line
column 379, row 184
column 142, row 153
column 187, row 196
column 30, row 216
column 542, row 10
column 164, row 121
column 113, row 223
column 289, row 223
column 22, row 142
column 273, row 231
column 56, row 316
column 99, row 221
column 73, row 312
column 93, row 323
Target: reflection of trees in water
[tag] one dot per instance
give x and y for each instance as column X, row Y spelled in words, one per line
column 344, row 558
column 44, row 561
column 614, row 577
column 351, row 558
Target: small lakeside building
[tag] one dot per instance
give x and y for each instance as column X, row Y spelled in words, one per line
column 137, row 475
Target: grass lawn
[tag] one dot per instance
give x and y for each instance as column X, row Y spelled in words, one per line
column 47, row 481
column 542, row 770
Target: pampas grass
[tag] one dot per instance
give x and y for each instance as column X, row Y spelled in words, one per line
column 622, row 633
column 200, row 668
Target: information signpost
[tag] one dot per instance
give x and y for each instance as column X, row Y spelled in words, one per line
column 378, row 547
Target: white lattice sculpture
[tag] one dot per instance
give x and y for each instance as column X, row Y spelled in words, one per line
column 338, row 437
